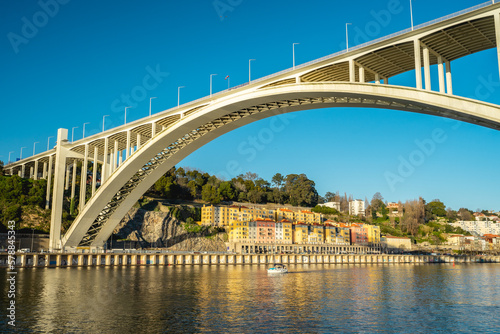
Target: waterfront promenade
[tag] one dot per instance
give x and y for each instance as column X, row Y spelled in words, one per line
column 150, row 258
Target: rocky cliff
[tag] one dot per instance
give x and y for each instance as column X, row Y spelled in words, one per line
column 160, row 229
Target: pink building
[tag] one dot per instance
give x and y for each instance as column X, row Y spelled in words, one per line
column 266, row 231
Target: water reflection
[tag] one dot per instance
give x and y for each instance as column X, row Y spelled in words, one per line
column 246, row 299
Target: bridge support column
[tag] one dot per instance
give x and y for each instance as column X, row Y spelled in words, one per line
column 116, row 154
column 35, row 176
column 138, row 142
column 418, row 64
column 352, row 71
column 31, row 172
column 449, row 87
column 66, row 181
column 23, row 169
column 377, row 78
column 105, row 168
column 361, row 74
column 58, row 193
column 153, row 129
column 44, row 172
column 497, row 34
column 427, row 68
column 83, row 180
column 73, row 188
column 94, row 170
column 49, row 182
column 441, row 74
column 127, row 149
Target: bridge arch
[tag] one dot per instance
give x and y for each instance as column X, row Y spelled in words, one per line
column 139, row 172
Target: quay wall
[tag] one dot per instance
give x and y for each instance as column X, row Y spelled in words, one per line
column 165, row 259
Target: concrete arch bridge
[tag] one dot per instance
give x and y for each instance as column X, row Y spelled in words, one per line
column 135, row 155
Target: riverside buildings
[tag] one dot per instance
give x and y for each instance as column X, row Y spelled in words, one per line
column 284, row 226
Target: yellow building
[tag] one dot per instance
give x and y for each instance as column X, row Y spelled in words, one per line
column 237, row 231
column 330, row 234
column 284, row 232
column 316, row 234
column 373, row 233
column 300, row 233
column 308, row 217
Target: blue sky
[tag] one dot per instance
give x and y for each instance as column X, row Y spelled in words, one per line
column 79, row 62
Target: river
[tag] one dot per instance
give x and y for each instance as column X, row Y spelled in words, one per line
column 335, row 298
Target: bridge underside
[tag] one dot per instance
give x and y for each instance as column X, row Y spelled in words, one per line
column 112, row 201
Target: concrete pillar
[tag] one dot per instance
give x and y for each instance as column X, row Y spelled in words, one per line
column 73, row 186
column 19, row 173
column 449, row 87
column 352, row 69
column 58, row 190
column 94, row 170
column 153, row 129
column 35, row 260
column 116, row 154
column 138, row 143
column 69, row 259
column 441, row 75
column 80, row 260
column 49, row 182
column 35, row 176
column 66, row 181
column 297, row 79
column 427, row 68
column 107, row 259
column 83, row 181
column 418, row 64
column 377, row 78
column 105, row 165
column 44, row 173
column 361, row 74
column 120, row 158
column 23, row 170
column 58, row 260
column 127, row 149
column 497, row 34
column 31, row 172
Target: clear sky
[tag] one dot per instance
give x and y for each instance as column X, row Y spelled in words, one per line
column 77, row 64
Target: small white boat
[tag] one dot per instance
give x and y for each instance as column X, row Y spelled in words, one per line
column 278, row 268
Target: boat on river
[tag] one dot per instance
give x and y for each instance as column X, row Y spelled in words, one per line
column 278, row 268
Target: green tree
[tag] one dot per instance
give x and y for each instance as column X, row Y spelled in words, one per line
column 436, row 208
column 227, row 191
column 300, row 190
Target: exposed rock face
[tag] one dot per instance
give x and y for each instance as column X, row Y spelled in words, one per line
column 162, row 230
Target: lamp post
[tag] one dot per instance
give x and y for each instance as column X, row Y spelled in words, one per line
column 9, row 155
column 179, row 95
column 32, row 236
column 126, row 114
column 84, row 129
column 411, row 16
column 293, row 53
column 73, row 133
column 150, row 105
column 48, row 142
column 347, row 36
column 21, row 158
column 103, row 118
column 211, row 75
column 34, row 144
column 250, row 70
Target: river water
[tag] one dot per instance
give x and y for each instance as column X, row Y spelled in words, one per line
column 314, row 298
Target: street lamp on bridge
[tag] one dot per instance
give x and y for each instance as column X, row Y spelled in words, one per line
column 179, row 95
column 293, row 53
column 150, row 105
column 103, row 117
column 126, row 114
column 211, row 75
column 347, row 36
column 73, row 133
column 48, row 142
column 34, row 144
column 9, row 155
column 21, row 158
column 250, row 70
column 84, row 129
column 411, row 16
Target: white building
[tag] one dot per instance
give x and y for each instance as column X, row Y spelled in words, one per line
column 479, row 227
column 357, row 207
column 333, row 205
